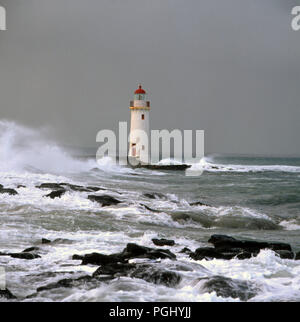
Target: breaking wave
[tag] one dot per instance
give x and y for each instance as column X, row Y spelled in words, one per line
column 22, row 149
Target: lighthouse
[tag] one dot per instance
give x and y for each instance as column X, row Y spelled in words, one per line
column 139, row 128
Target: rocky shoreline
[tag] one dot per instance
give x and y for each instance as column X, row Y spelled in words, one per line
column 124, row 264
column 147, row 263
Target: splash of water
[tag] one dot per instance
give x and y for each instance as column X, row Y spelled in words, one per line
column 23, row 148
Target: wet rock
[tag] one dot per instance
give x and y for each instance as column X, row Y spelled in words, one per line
column 27, row 256
column 146, row 272
column 227, row 287
column 49, row 186
column 101, row 259
column 131, row 251
column 285, row 254
column 199, row 203
column 163, row 242
column 77, row 257
column 46, row 241
column 156, row 275
column 56, row 194
column 137, row 251
column 213, row 253
column 1, row 186
column 7, row 294
column 227, row 242
column 66, row 283
column 185, row 250
column 209, row 253
column 115, row 269
column 11, row 192
column 75, row 187
column 153, row 195
column 30, row 249
column 104, row 200
column 297, row 256
column 21, row 186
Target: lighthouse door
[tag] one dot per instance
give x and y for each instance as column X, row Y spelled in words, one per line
column 133, row 149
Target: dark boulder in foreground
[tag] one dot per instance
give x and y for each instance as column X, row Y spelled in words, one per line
column 285, row 254
column 163, row 242
column 7, row 294
column 104, row 200
column 149, row 273
column 100, row 259
column 156, row 275
column 56, row 194
column 227, row 247
column 227, row 242
column 228, row 287
column 11, row 192
column 134, row 251
column 297, row 257
column 66, row 282
column 131, row 251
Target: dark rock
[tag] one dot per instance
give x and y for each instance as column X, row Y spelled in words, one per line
column 297, row 257
column 210, row 253
column 115, row 269
column 21, row 186
column 146, row 272
column 227, row 242
column 75, row 187
column 11, row 192
column 163, row 242
column 101, row 259
column 104, row 200
column 131, row 251
column 66, row 283
column 153, row 195
column 1, row 186
column 199, row 203
column 56, row 194
column 185, row 250
column 157, row 276
column 227, row 287
column 285, row 254
column 7, row 294
column 28, row 256
column 46, row 241
column 134, row 251
column 49, row 186
column 30, row 249
column 77, row 257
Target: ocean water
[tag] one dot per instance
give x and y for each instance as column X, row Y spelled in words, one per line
column 246, row 197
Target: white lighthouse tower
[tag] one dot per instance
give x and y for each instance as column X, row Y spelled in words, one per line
column 139, row 128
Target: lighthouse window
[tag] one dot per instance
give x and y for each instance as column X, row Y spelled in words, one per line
column 143, row 116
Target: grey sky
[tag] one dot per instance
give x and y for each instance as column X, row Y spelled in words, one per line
column 229, row 67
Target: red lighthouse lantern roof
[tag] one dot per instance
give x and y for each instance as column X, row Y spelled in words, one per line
column 140, row 90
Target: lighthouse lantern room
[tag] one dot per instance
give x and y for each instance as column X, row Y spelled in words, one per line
column 139, row 128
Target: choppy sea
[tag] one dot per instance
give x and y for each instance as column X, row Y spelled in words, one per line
column 245, row 197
